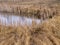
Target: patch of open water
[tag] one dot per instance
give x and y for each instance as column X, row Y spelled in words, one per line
column 8, row 19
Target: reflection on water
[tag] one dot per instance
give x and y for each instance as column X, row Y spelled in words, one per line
column 7, row 19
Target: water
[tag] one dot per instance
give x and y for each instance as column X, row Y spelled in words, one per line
column 14, row 20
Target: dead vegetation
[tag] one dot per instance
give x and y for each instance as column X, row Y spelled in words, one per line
column 47, row 33
column 42, row 11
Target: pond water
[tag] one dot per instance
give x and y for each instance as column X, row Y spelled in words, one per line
column 14, row 20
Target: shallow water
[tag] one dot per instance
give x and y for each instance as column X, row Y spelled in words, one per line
column 8, row 19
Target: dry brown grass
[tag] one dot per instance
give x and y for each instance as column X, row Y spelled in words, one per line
column 47, row 33
column 31, row 10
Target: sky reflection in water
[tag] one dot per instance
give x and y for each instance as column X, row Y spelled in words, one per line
column 13, row 19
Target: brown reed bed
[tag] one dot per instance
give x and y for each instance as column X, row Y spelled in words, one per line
column 37, row 11
column 47, row 33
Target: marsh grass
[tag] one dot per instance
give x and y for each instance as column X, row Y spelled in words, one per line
column 47, row 33
column 36, row 11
